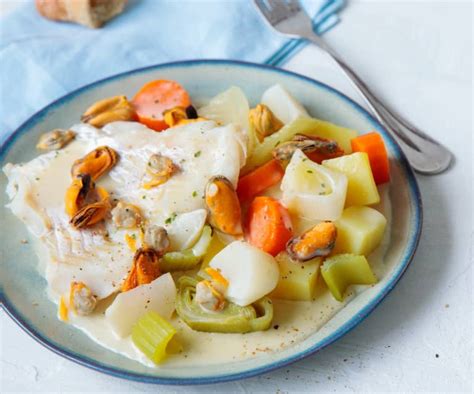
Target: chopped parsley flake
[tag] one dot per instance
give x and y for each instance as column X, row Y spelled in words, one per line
column 277, row 143
column 171, row 218
column 309, row 171
column 197, row 154
column 195, row 193
column 143, row 197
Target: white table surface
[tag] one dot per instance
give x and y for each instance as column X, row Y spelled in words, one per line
column 419, row 55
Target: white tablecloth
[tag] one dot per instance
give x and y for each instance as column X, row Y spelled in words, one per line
column 418, row 54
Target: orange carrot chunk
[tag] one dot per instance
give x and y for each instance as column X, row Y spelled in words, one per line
column 373, row 145
column 268, row 225
column 259, row 179
column 154, row 98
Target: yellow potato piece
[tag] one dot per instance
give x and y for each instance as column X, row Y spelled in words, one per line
column 297, row 280
column 343, row 270
column 359, row 230
column 309, row 126
column 361, row 187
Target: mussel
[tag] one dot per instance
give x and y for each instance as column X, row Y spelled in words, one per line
column 55, row 139
column 309, row 145
column 109, row 110
column 95, row 163
column 145, row 268
column 264, row 121
column 77, row 193
column 90, row 214
column 223, row 206
column 319, row 241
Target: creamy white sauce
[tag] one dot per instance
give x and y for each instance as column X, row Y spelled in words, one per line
column 39, row 203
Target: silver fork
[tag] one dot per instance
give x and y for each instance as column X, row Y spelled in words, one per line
column 425, row 155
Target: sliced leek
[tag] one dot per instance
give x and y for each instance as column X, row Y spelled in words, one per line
column 231, row 319
column 154, row 336
column 189, row 258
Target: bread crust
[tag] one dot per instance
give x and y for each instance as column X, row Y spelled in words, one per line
column 91, row 13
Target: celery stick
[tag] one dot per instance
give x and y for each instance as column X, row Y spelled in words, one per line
column 342, row 270
column 152, row 334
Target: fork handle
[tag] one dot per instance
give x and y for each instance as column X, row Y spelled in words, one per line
column 425, row 155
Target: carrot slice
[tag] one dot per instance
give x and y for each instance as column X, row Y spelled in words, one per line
column 373, row 145
column 259, row 179
column 268, row 225
column 154, row 98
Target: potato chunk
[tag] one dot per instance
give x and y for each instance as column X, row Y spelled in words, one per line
column 158, row 296
column 343, row 270
column 251, row 272
column 284, row 106
column 361, row 187
column 297, row 280
column 359, row 230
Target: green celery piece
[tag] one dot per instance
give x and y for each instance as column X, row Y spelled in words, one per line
column 152, row 334
column 232, row 319
column 342, row 270
column 189, row 258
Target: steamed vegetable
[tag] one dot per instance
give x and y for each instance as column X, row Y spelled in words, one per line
column 268, row 225
column 341, row 271
column 231, row 107
column 189, row 258
column 307, row 126
column 156, row 97
column 283, row 105
column 313, row 191
column 359, row 230
column 153, row 335
column 231, row 319
column 128, row 307
column 184, row 229
column 297, row 280
column 361, row 187
column 373, row 145
column 251, row 273
column 259, row 179
column 215, row 247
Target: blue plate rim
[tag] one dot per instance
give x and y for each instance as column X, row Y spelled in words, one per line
column 417, row 221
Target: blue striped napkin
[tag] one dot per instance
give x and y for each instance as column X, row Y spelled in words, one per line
column 42, row 60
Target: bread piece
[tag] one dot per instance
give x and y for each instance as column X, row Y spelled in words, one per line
column 91, row 13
